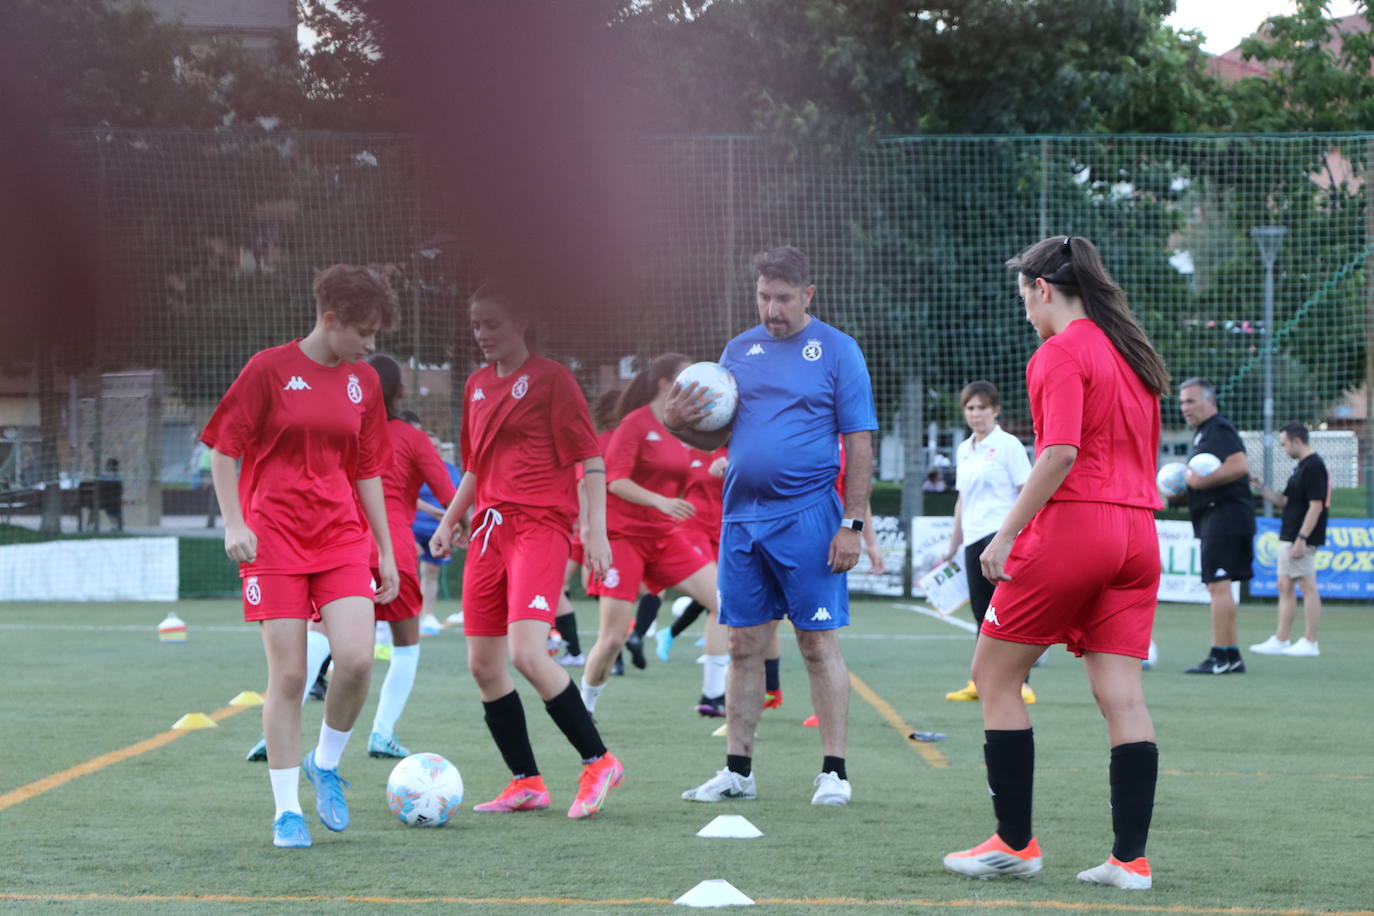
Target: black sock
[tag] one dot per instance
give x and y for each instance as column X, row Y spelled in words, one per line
column 566, row 625
column 689, row 616
column 647, row 613
column 771, row 679
column 834, row 765
column 738, row 763
column 576, row 723
column 1233, row 653
column 1010, row 756
column 1134, row 770
column 506, row 721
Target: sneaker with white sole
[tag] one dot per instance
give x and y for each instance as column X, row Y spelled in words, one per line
column 1129, row 876
column 1303, row 648
column 993, row 858
column 1271, row 646
column 568, row 660
column 430, row 625
column 726, row 785
column 831, row 790
column 289, row 831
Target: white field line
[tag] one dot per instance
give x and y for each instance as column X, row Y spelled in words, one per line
column 953, row 621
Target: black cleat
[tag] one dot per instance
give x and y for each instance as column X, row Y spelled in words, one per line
column 319, row 688
column 1214, row 664
column 635, row 643
column 712, row 707
column 618, row 668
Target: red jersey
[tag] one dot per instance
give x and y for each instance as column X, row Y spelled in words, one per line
column 522, row 436
column 643, row 451
column 306, row 433
column 704, row 490
column 414, row 462
column 1083, row 393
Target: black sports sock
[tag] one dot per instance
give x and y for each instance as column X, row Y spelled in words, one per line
column 506, row 721
column 738, row 763
column 647, row 613
column 576, row 723
column 834, row 765
column 566, row 625
column 771, row 679
column 1134, row 771
column 1233, row 653
column 1010, row 756
column 689, row 616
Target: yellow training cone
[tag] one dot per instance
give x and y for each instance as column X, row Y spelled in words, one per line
column 193, row 720
column 247, row 698
column 721, row 732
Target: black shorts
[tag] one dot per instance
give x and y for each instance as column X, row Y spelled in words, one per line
column 1228, row 556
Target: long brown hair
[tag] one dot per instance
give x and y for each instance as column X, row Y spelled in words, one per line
column 645, row 385
column 1072, row 264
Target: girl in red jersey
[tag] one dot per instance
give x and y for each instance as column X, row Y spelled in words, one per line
column 415, row 462
column 525, row 427
column 308, row 422
column 647, row 468
column 705, row 483
column 1077, row 557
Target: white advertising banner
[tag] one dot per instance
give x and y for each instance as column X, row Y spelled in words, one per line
column 892, row 542
column 929, row 541
column 98, row 569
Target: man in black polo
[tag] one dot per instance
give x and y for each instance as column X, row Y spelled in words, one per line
column 1223, row 515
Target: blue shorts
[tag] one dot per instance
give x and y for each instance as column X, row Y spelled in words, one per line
column 422, row 537
column 779, row 568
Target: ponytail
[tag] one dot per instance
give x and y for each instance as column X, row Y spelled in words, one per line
column 390, row 374
column 645, row 385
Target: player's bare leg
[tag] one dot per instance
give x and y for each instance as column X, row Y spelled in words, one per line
column 1002, row 666
column 820, row 651
column 700, row 586
column 616, row 615
column 1223, row 613
column 350, row 623
column 284, row 642
column 744, row 686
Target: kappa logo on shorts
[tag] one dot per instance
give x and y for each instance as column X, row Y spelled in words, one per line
column 296, row 384
column 252, row 592
column 611, row 578
column 991, row 617
column 355, row 389
column 1220, row 574
column 478, row 395
column 653, row 437
column 812, row 351
column 821, row 614
column 755, row 350
column 539, row 603
column 521, row 387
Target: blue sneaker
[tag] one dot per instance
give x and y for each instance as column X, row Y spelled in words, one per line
column 289, row 831
column 665, row 644
column 379, row 745
column 330, row 803
column 259, row 752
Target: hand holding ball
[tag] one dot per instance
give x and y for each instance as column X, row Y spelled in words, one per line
column 715, row 383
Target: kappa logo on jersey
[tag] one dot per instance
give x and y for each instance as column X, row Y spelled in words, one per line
column 812, row 351
column 521, row 387
column 611, row 578
column 478, row 395
column 252, row 591
column 1197, row 439
column 821, row 614
column 755, row 350
column 296, row 384
column 653, row 437
column 696, row 462
column 539, row 603
column 991, row 617
column 355, row 389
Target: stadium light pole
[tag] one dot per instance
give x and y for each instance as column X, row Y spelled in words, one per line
column 1269, row 239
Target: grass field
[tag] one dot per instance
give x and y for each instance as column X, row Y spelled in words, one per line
column 1265, row 795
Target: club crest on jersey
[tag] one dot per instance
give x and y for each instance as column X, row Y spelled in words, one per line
column 355, row 389
column 812, row 351
column 252, row 591
column 521, row 387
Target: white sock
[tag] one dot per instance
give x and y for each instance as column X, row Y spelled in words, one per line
column 316, row 650
column 590, row 694
column 331, row 747
column 286, row 790
column 713, row 675
column 400, row 678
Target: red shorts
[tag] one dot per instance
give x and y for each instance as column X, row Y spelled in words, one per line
column 271, row 596
column 1084, row 574
column 514, row 571
column 407, row 601
column 576, row 554
column 659, row 564
column 703, row 541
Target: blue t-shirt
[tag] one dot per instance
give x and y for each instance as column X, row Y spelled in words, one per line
column 797, row 396
column 425, row 524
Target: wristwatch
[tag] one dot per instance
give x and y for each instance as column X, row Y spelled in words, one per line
column 1300, row 536
column 853, row 524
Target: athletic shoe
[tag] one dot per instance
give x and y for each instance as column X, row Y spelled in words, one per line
column 382, row 652
column 1214, row 664
column 665, row 644
column 1043, row 659
column 712, row 707
column 812, row 721
column 1271, row 646
column 593, row 785
column 568, row 660
column 1129, row 876
column 289, row 831
column 1303, row 648
column 724, row 786
column 831, row 790
column 379, row 745
column 772, row 699
column 453, row 620
column 259, row 752
column 525, row 794
column 618, row 669
column 993, row 858
column 635, row 643
column 430, row 625
column 318, row 689
column 701, row 641
column 967, row 692
column 1027, row 695
column 330, row 803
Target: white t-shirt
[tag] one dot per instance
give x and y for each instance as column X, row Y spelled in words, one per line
column 987, row 476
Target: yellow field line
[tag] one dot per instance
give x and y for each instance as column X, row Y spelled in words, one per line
column 48, row 783
column 929, row 754
column 1067, row 905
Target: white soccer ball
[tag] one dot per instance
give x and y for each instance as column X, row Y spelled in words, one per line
column 1170, row 479
column 722, row 393
column 424, row 790
column 1204, row 463
column 680, row 605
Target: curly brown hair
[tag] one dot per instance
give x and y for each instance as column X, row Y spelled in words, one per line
column 357, row 295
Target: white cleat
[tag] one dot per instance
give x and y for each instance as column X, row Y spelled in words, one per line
column 1303, row 648
column 724, row 786
column 1129, row 876
column 831, row 790
column 993, row 858
column 1271, row 646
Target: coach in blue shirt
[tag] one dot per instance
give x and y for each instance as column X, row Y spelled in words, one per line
column 786, row 541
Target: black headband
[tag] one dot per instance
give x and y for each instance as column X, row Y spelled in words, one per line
column 1063, row 275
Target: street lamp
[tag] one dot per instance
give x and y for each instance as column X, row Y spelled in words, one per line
column 1269, row 239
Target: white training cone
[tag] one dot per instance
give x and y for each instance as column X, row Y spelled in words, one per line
column 715, row 892
column 730, row 827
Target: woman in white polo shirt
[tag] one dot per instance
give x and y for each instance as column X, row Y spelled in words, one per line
column 990, row 468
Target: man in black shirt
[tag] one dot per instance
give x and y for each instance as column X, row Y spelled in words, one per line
column 1223, row 516
column 1305, row 503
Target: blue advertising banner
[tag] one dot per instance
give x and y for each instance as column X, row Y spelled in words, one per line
column 1345, row 566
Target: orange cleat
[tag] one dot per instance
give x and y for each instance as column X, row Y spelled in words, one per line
column 594, row 784
column 993, row 858
column 525, row 794
column 1129, row 876
column 772, row 699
